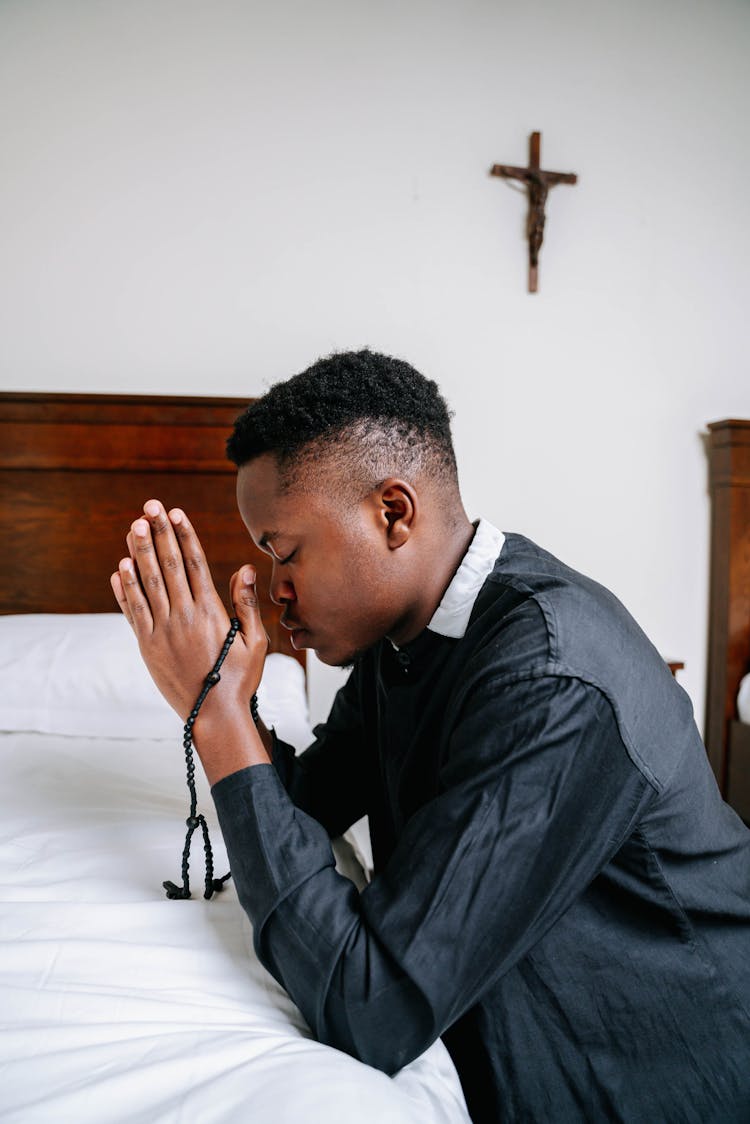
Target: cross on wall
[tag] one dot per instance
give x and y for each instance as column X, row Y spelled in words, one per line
column 538, row 183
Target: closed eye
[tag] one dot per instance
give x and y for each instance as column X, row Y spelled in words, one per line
column 289, row 557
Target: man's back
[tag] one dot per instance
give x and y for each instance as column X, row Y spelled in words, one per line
column 635, row 1003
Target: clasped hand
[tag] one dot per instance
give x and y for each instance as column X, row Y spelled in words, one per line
column 165, row 590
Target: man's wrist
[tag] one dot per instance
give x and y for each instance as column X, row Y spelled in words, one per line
column 227, row 740
column 265, row 736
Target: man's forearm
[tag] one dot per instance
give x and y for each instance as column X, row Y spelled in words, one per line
column 227, row 740
column 265, row 737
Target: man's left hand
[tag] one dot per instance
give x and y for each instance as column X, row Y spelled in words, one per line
column 165, row 590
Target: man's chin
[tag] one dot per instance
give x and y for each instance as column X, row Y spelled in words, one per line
column 333, row 657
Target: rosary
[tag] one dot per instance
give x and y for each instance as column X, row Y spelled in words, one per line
column 197, row 819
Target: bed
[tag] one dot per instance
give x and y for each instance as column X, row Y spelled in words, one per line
column 728, row 694
column 118, row 1004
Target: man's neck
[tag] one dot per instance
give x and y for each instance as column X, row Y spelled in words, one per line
column 445, row 556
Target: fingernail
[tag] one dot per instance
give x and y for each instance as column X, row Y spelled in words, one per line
column 176, row 516
column 140, row 528
column 127, row 565
column 248, row 576
column 152, row 508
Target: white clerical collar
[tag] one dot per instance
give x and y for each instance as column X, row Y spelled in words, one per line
column 451, row 618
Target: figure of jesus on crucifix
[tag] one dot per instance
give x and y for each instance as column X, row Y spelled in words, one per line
column 538, row 183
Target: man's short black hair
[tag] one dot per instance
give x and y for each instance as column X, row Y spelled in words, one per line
column 367, row 416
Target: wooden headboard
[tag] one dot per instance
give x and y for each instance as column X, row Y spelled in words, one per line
column 727, row 740
column 75, row 470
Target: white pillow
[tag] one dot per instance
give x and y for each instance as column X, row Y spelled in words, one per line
column 82, row 674
column 743, row 699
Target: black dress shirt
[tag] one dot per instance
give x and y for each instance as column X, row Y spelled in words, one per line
column 559, row 890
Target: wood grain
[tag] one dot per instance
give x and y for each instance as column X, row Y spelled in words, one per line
column 729, row 616
column 75, row 471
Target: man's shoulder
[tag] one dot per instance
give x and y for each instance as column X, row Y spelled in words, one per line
column 538, row 616
column 576, row 608
column 525, row 564
column 532, row 585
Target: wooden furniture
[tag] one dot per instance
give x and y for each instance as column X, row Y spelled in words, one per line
column 727, row 739
column 75, row 470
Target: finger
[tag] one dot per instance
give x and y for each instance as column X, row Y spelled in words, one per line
column 138, row 609
column 168, row 553
column 244, row 598
column 129, row 541
column 194, row 560
column 149, row 569
column 116, row 582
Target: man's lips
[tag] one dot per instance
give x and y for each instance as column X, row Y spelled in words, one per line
column 291, row 626
column 298, row 632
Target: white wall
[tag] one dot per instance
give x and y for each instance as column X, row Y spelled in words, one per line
column 202, row 196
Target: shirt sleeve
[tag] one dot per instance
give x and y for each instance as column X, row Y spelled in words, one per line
column 537, row 793
column 327, row 780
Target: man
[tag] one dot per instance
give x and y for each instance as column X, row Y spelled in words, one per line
column 559, row 890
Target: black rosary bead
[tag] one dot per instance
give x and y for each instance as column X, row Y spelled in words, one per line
column 213, row 885
column 175, row 893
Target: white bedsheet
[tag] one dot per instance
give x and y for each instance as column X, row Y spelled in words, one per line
column 121, row 1006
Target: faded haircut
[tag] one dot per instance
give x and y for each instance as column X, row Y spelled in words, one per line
column 357, row 414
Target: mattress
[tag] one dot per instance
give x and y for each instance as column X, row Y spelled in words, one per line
column 121, row 1005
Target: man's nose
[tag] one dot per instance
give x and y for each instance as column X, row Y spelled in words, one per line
column 282, row 591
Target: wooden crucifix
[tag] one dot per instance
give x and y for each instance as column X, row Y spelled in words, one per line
column 538, row 183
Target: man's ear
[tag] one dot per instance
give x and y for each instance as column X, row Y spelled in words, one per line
column 398, row 510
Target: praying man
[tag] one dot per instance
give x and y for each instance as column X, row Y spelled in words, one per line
column 559, row 891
